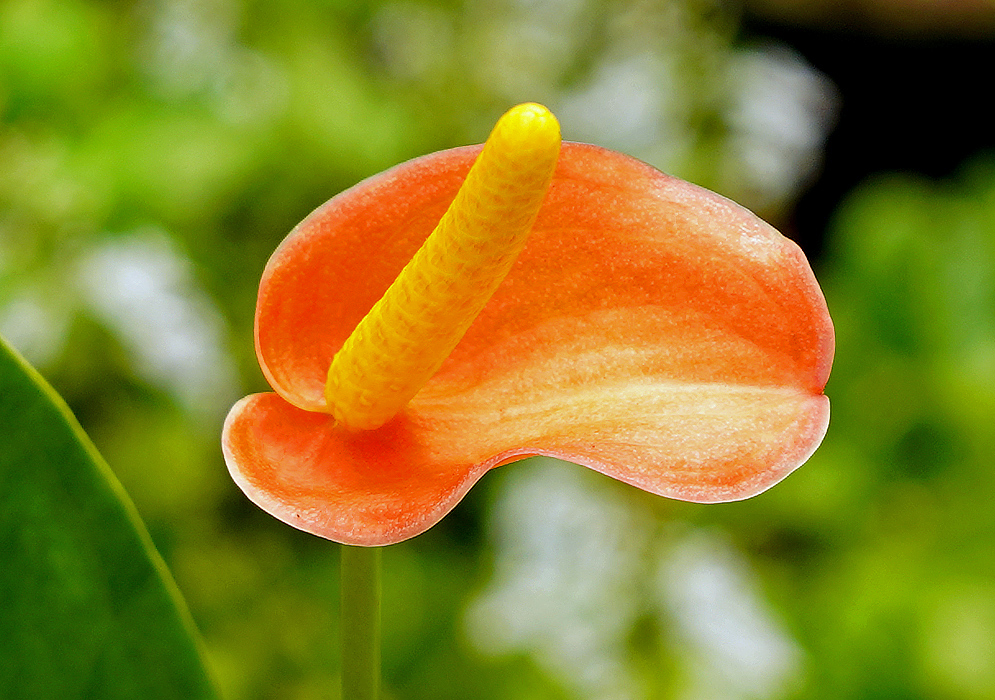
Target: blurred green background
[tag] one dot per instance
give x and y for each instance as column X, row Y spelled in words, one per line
column 153, row 153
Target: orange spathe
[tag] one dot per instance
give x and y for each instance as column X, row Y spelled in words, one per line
column 649, row 329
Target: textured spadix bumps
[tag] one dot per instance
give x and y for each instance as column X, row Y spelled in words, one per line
column 649, row 329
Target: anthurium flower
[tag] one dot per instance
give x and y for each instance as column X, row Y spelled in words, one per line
column 570, row 302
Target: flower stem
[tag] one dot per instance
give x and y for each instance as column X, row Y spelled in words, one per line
column 360, row 623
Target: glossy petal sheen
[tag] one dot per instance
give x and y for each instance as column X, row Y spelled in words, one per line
column 650, row 330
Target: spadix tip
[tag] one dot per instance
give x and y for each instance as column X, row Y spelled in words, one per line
column 530, row 122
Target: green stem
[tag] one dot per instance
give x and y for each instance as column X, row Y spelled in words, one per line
column 360, row 623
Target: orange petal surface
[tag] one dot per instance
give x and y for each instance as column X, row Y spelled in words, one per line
column 650, row 330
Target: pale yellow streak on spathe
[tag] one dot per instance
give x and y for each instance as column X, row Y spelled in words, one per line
column 408, row 334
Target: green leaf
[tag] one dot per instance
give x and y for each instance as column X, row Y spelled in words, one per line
column 87, row 606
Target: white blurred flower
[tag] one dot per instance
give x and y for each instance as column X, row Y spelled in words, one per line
column 35, row 326
column 578, row 567
column 144, row 290
column 781, row 113
column 734, row 647
column 567, row 555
